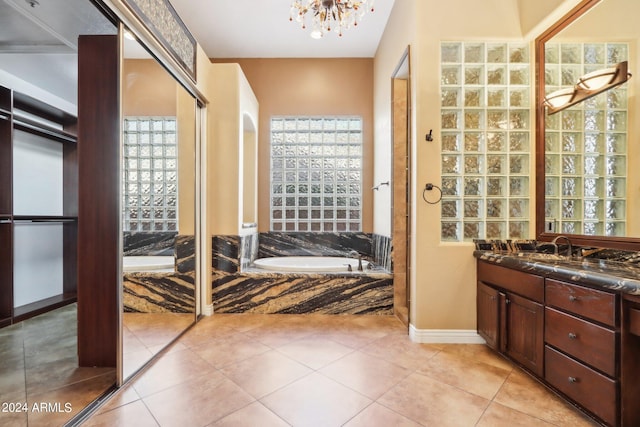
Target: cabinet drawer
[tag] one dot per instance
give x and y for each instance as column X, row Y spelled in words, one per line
column 591, row 303
column 525, row 284
column 590, row 389
column 588, row 342
column 634, row 321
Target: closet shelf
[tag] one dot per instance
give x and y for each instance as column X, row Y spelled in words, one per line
column 32, row 126
column 39, row 108
column 44, row 218
column 33, row 309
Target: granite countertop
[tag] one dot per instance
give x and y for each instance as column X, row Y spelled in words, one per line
column 622, row 276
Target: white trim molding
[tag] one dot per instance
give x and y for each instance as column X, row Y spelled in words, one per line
column 445, row 336
column 207, row 309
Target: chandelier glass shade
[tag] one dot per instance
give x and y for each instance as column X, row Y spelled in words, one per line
column 325, row 16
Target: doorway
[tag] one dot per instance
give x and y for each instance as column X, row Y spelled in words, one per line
column 401, row 192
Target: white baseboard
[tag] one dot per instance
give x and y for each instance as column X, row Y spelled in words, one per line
column 445, row 336
column 207, row 309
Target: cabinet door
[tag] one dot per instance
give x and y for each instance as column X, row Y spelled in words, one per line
column 525, row 332
column 488, row 314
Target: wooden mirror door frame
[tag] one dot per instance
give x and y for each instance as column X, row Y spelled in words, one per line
column 626, row 243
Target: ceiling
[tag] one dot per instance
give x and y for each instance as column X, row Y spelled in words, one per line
column 261, row 29
column 38, row 42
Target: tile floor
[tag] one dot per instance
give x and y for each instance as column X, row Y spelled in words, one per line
column 39, row 364
column 146, row 334
column 314, row 370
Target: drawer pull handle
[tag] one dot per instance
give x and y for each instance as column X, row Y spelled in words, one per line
column 573, row 298
column 573, row 380
column 572, row 336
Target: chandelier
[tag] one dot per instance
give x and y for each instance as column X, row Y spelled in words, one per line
column 327, row 15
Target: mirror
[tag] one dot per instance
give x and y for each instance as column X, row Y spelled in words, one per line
column 38, row 220
column 588, row 174
column 158, row 203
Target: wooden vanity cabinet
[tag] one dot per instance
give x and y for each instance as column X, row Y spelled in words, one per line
column 510, row 314
column 630, row 361
column 581, row 341
column 582, row 345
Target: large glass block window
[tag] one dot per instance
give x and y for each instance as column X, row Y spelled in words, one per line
column 316, row 174
column 486, row 140
column 150, row 174
column 586, row 145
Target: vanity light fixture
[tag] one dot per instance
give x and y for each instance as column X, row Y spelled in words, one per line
column 329, row 14
column 591, row 84
column 559, row 98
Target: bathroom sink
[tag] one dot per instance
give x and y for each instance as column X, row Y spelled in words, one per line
column 544, row 257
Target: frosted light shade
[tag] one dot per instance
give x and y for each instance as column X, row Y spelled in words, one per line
column 597, row 79
column 559, row 97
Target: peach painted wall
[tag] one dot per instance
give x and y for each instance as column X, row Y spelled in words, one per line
column 310, row 87
column 149, row 90
column 443, row 277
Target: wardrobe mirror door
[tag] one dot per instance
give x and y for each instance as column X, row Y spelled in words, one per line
column 42, row 378
column 158, row 207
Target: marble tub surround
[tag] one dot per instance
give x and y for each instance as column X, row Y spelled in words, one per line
column 232, row 254
column 185, row 250
column 382, row 251
column 237, row 287
column 158, row 293
column 303, row 293
column 145, row 292
column 314, row 244
column 148, row 243
column 605, row 273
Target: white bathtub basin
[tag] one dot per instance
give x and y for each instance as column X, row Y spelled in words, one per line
column 154, row 264
column 310, row 264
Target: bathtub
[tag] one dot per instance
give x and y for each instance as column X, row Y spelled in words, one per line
column 308, row 264
column 150, row 264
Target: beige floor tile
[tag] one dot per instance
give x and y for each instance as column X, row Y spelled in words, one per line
column 265, row 373
column 478, row 378
column 125, row 395
column 220, row 353
column 255, row 414
column 130, row 342
column 134, row 414
column 316, row 401
column 133, row 361
column 399, row 349
column 524, row 394
column 275, row 337
column 358, row 358
column 376, row 415
column 430, row 402
column 477, row 353
column 77, row 396
column 52, row 375
column 172, row 369
column 197, row 402
column 365, row 374
column 314, row 352
column 205, row 333
column 497, row 415
column 14, row 418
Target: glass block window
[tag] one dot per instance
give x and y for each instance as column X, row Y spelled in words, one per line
column 316, row 174
column 150, row 174
column 586, row 145
column 486, row 140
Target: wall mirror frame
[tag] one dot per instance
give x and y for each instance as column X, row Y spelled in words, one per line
column 626, row 243
column 160, row 212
